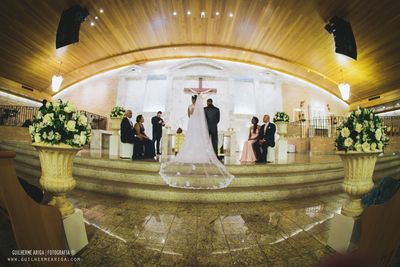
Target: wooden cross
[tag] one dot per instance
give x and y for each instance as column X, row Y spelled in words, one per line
column 200, row 89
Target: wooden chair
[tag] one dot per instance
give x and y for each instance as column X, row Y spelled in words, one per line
column 35, row 226
column 380, row 233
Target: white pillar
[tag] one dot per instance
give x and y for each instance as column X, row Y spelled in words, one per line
column 75, row 231
column 343, row 233
column 114, row 145
column 165, row 140
column 282, row 149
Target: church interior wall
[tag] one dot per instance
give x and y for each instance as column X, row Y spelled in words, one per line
column 97, row 95
column 243, row 91
column 314, row 100
column 9, row 99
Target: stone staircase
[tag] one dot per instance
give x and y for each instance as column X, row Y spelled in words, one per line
column 140, row 179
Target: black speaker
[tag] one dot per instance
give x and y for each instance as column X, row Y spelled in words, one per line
column 345, row 42
column 69, row 25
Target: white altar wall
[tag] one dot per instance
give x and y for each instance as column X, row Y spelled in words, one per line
column 156, row 91
column 269, row 98
column 245, row 97
column 240, row 96
column 131, row 92
column 243, row 91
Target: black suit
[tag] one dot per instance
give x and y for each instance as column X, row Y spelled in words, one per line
column 212, row 116
column 127, row 131
column 268, row 135
column 157, row 131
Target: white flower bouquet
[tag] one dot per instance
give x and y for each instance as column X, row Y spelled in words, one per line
column 117, row 112
column 362, row 131
column 60, row 123
column 281, row 117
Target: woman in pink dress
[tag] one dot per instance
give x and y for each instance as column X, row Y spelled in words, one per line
column 248, row 154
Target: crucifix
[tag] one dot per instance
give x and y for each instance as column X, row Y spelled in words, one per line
column 200, row 89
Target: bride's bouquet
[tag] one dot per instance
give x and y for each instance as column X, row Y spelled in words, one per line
column 281, row 117
column 117, row 112
column 362, row 131
column 60, row 123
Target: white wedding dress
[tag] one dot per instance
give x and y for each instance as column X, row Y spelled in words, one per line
column 196, row 166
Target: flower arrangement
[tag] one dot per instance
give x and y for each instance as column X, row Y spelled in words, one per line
column 117, row 112
column 362, row 131
column 60, row 123
column 281, row 117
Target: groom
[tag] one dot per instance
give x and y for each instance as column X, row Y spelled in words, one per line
column 212, row 116
column 266, row 138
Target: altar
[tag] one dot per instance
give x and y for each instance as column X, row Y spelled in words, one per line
column 100, row 139
column 226, row 142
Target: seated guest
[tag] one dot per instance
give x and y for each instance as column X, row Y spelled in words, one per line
column 127, row 131
column 143, row 142
column 33, row 191
column 248, row 154
column 27, row 123
column 265, row 139
column 44, row 102
column 383, row 191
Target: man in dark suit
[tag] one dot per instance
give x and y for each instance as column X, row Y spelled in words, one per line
column 127, row 131
column 265, row 139
column 212, row 116
column 157, row 123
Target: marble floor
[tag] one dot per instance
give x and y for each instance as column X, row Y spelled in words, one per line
column 135, row 232
column 129, row 232
column 232, row 160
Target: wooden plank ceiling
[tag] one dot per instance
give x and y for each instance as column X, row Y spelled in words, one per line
column 285, row 35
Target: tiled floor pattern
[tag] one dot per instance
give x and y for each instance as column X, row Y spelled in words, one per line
column 127, row 232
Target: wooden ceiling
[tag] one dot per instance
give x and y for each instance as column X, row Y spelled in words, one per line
column 285, row 35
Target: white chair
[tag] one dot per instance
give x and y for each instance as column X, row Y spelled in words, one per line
column 271, row 154
column 291, row 148
column 125, row 150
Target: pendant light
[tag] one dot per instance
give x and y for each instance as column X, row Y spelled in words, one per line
column 344, row 89
column 57, row 80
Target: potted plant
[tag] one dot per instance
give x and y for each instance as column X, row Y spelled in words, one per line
column 360, row 138
column 281, row 120
column 116, row 115
column 58, row 132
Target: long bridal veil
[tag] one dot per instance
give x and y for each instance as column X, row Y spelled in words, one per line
column 196, row 166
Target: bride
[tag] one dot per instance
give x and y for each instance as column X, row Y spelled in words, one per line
column 191, row 107
column 196, row 165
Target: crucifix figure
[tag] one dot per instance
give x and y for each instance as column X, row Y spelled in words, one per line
column 198, row 92
column 200, row 89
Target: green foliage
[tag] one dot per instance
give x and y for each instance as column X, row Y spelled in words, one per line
column 117, row 112
column 60, row 123
column 361, row 131
column 281, row 116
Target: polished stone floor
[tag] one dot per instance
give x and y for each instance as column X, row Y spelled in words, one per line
column 128, row 232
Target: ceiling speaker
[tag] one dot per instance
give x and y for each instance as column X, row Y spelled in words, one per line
column 69, row 25
column 344, row 38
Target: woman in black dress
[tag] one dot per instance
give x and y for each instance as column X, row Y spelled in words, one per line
column 145, row 147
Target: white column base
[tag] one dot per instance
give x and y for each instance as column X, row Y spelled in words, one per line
column 164, row 140
column 343, row 233
column 75, row 231
column 282, row 149
column 114, row 145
